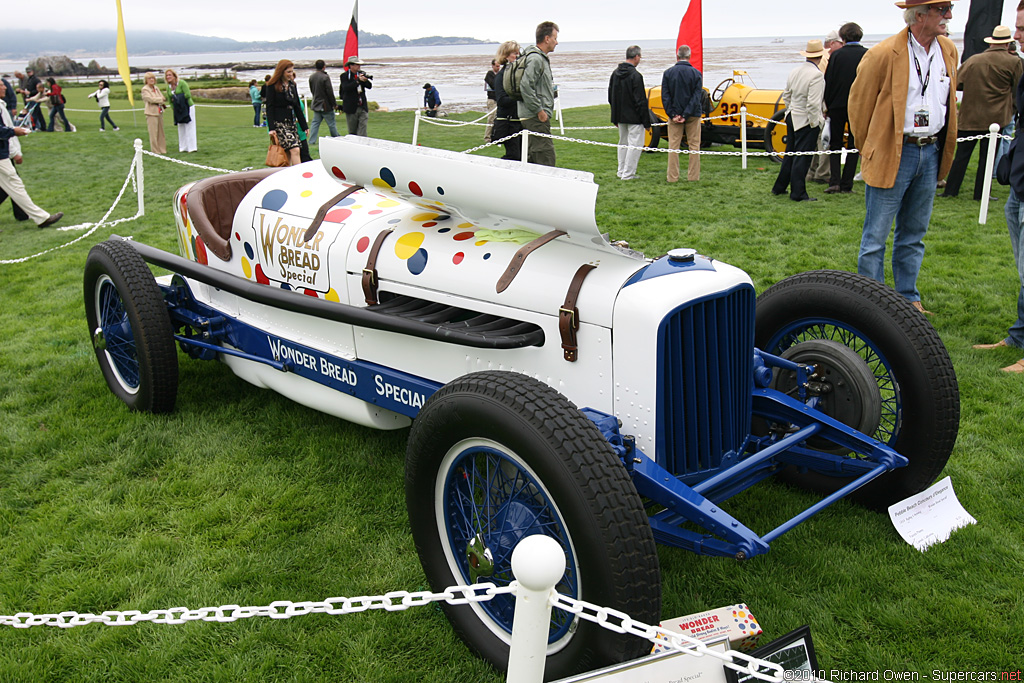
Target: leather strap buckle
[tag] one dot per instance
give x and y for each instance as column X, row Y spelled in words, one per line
column 569, row 315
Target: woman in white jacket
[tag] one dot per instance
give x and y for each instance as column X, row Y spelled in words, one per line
column 102, row 96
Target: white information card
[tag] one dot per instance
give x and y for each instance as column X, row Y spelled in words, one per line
column 930, row 516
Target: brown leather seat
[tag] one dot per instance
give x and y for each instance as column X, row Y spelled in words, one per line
column 211, row 206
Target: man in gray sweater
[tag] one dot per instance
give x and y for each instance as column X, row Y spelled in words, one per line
column 538, row 90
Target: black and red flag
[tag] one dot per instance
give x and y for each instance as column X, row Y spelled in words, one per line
column 691, row 32
column 352, row 38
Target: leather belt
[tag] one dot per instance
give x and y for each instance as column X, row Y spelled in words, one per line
column 569, row 315
column 517, row 260
column 370, row 271
column 920, row 142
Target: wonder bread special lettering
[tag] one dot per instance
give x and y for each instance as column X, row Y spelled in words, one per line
column 284, row 254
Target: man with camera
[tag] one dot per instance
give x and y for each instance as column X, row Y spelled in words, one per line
column 354, row 84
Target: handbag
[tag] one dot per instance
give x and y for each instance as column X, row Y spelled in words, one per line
column 276, row 156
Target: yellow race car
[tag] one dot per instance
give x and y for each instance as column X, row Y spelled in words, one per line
column 722, row 116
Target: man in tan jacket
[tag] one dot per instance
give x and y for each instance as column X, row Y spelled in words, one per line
column 900, row 104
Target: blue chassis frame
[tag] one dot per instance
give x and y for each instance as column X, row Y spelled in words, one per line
column 207, row 330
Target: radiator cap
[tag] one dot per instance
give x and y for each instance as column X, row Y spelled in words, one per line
column 682, row 255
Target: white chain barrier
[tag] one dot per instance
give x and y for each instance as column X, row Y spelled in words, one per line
column 135, row 178
column 538, row 562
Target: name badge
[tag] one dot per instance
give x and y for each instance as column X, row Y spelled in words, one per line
column 921, row 119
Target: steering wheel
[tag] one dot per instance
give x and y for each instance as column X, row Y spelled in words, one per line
column 720, row 90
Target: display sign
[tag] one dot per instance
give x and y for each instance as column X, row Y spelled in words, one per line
column 930, row 516
column 668, row 667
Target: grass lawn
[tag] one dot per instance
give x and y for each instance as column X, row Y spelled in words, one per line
column 243, row 497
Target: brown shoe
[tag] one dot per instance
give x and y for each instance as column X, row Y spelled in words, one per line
column 998, row 345
column 832, row 189
column 53, row 218
column 1017, row 367
column 920, row 307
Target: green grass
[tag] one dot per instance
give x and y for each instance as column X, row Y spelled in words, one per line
column 241, row 496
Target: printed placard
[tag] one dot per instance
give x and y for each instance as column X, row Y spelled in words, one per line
column 930, row 516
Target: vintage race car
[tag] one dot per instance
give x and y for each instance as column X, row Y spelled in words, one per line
column 766, row 127
column 555, row 383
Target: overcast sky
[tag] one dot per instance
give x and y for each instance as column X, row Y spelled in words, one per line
column 488, row 20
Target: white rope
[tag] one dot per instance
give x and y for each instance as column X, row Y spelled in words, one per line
column 95, row 227
column 188, row 163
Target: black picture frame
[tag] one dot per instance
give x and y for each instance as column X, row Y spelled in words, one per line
column 793, row 651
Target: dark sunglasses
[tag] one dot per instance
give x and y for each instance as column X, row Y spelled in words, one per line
column 942, row 9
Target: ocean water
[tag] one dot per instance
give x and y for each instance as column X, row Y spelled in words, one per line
column 581, row 69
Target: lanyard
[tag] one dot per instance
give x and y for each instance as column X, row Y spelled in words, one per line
column 923, row 79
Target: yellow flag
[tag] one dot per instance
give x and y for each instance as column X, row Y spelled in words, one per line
column 122, row 55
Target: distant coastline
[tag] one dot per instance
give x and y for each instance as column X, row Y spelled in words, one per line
column 27, row 45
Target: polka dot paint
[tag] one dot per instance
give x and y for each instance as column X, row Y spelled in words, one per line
column 274, row 200
column 249, row 252
column 408, row 245
column 310, row 292
column 457, row 259
column 247, row 268
column 307, row 193
column 429, row 224
column 444, row 230
column 337, row 215
column 260, row 276
column 363, row 244
column 463, row 236
column 415, row 189
column 388, row 176
column 332, row 295
column 417, row 262
column 307, row 174
column 388, row 203
column 201, row 256
column 424, row 217
column 337, row 172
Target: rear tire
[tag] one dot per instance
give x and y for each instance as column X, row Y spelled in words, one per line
column 494, row 457
column 130, row 328
column 920, row 399
column 776, row 135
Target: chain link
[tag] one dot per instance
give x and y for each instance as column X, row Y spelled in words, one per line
column 394, row 601
column 620, row 622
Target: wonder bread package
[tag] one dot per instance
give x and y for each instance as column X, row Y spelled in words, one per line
column 734, row 622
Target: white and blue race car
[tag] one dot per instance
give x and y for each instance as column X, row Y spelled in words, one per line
column 555, row 382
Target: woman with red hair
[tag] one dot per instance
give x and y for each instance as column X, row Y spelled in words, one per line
column 284, row 112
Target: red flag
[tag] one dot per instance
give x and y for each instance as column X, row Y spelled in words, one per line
column 352, row 38
column 691, row 32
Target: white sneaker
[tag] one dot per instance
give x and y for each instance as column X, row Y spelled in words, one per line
column 103, row 130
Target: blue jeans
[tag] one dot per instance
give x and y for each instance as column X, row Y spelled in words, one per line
column 1015, row 224
column 256, row 106
column 909, row 201
column 314, row 129
column 105, row 114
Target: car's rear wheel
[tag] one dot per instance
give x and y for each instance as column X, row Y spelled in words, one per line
column 130, row 328
column 495, row 457
column 776, row 136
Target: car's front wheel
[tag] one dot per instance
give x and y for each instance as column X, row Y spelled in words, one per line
column 495, row 457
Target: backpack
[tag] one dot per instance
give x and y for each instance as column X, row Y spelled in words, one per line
column 512, row 81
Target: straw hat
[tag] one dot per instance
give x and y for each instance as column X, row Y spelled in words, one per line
column 916, row 3
column 353, row 60
column 1000, row 36
column 815, row 48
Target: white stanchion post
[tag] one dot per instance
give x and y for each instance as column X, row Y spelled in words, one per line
column 526, row 145
column 538, row 562
column 743, row 135
column 140, row 181
column 990, row 159
column 558, row 114
column 416, row 128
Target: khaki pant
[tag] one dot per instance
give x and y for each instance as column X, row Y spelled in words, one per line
column 15, row 189
column 157, row 141
column 691, row 129
column 541, row 150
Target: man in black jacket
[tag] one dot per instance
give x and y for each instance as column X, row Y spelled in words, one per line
column 323, row 101
column 628, row 98
column 682, row 94
column 354, row 84
column 839, row 76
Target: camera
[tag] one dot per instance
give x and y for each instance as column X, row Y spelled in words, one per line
column 364, row 75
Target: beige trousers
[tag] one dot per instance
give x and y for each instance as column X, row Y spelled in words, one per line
column 157, row 141
column 11, row 183
column 691, row 129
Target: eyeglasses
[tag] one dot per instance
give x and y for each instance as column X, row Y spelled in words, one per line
column 942, row 9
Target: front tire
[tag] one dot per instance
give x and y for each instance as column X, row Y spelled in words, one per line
column 494, row 457
column 919, row 412
column 130, row 328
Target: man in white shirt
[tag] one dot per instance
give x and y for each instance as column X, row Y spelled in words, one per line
column 904, row 78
